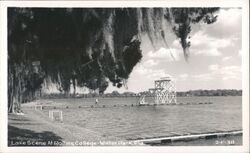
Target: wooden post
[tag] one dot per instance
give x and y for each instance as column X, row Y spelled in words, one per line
column 41, row 107
column 52, row 112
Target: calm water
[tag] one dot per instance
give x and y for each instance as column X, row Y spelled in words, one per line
column 154, row 121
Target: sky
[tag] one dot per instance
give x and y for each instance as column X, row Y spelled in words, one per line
column 214, row 62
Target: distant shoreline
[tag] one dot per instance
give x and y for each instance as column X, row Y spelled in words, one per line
column 190, row 93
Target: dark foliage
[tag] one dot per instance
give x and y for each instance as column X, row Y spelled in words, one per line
column 85, row 47
column 218, row 92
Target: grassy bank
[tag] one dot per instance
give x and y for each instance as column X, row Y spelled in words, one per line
column 35, row 129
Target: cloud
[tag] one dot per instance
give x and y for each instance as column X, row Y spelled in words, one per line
column 202, row 77
column 230, row 70
column 226, row 72
column 226, row 58
column 221, row 37
column 166, row 54
column 219, row 72
column 157, row 74
column 213, row 67
column 221, row 43
column 141, row 70
column 207, row 52
column 176, row 43
column 150, row 63
column 229, row 77
column 203, row 38
column 213, row 48
column 150, row 73
column 227, row 25
column 240, row 53
column 204, row 44
column 183, row 77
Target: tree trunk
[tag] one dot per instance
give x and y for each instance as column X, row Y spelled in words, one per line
column 14, row 99
column 74, row 87
column 10, row 91
column 15, row 89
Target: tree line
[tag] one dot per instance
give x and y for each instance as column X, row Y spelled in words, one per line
column 217, row 92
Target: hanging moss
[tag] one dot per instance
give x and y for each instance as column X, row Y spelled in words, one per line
column 88, row 47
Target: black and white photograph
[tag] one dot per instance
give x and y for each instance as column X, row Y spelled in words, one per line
column 125, row 76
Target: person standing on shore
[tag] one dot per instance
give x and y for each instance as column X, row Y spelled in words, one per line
column 96, row 101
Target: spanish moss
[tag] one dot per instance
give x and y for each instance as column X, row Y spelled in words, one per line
column 87, row 47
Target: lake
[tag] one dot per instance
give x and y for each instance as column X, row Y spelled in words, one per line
column 224, row 114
